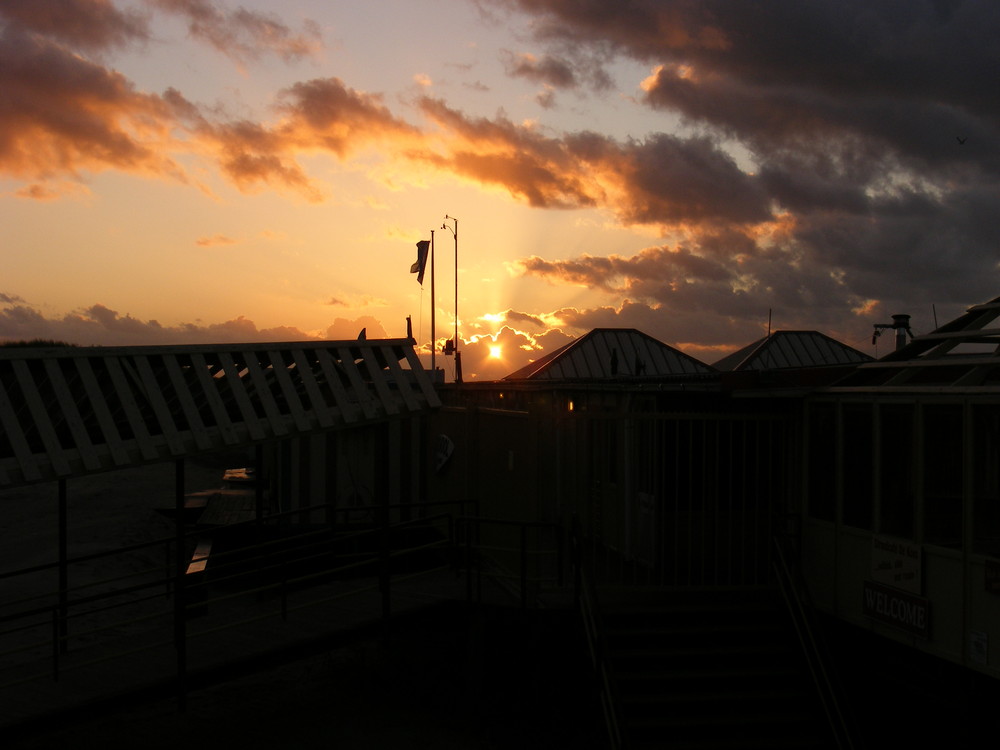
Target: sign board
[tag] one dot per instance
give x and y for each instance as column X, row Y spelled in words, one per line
column 897, row 563
column 898, row 608
column 992, row 576
column 979, row 647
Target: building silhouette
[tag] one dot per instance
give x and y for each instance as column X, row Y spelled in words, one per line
column 795, row 497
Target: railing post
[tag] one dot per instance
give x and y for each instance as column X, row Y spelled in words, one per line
column 468, row 559
column 384, row 559
column 180, row 599
column 63, row 632
column 524, row 566
column 55, row 644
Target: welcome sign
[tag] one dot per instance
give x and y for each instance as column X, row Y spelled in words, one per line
column 897, row 608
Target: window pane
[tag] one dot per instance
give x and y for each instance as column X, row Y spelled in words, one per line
column 896, row 465
column 942, row 465
column 822, row 456
column 859, row 465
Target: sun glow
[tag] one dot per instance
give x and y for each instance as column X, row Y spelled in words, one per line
column 496, row 351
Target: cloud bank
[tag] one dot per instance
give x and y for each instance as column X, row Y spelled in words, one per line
column 839, row 160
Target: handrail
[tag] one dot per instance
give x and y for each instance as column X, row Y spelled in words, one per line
column 588, row 606
column 128, row 615
column 522, row 548
column 814, row 654
column 193, row 532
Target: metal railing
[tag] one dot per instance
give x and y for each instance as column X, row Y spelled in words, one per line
column 585, row 597
column 504, row 551
column 814, row 651
column 153, row 609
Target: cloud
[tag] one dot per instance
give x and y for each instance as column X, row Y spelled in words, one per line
column 99, row 325
column 244, row 35
column 549, row 70
column 321, row 115
column 348, row 330
column 215, row 240
column 87, row 24
column 513, row 350
column 848, row 190
column 62, row 114
column 521, row 319
column 362, row 301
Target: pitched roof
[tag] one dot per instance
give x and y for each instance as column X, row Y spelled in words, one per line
column 613, row 354
column 963, row 355
column 68, row 411
column 791, row 350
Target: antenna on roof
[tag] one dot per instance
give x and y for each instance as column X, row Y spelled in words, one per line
column 769, row 322
column 934, row 310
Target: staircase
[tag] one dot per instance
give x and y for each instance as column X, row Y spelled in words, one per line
column 709, row 668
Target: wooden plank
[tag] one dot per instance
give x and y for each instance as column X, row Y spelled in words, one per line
column 349, row 410
column 154, row 393
column 402, row 384
column 183, row 390
column 956, row 360
column 26, row 460
column 255, row 368
column 71, row 413
column 211, row 391
column 131, row 407
column 105, row 420
column 426, row 386
column 42, row 419
column 291, row 394
column 984, row 306
column 962, row 334
column 239, row 391
column 308, row 379
column 377, row 375
column 348, row 365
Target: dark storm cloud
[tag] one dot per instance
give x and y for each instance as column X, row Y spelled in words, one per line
column 870, row 135
column 662, row 180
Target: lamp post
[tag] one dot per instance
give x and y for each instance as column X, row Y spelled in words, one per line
column 458, row 356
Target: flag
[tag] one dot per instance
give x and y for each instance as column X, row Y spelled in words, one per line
column 418, row 267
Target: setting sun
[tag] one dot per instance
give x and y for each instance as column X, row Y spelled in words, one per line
column 496, row 351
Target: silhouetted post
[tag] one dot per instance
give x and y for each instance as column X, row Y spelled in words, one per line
column 458, row 357
column 258, row 490
column 63, row 630
column 433, row 307
column 382, row 487
column 180, row 599
column 524, row 566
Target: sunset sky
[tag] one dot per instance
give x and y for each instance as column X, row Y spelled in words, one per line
column 208, row 171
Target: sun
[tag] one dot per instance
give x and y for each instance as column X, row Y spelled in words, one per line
column 496, row 351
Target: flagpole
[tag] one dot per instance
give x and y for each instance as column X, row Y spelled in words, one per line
column 433, row 308
column 458, row 357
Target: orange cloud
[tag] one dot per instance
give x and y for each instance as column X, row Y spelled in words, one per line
column 61, row 114
column 216, row 240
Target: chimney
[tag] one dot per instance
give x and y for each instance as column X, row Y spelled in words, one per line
column 901, row 324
